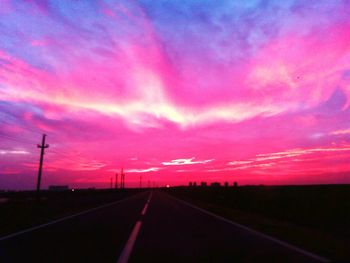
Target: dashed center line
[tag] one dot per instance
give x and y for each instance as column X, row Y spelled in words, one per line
column 144, row 210
column 124, row 256
column 149, row 198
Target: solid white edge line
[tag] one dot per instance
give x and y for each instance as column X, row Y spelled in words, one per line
column 124, row 256
column 61, row 219
column 276, row 240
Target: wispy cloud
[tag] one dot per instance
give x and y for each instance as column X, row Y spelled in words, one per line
column 145, row 170
column 263, row 161
column 341, row 132
column 13, row 152
column 73, row 163
column 238, row 162
column 188, row 161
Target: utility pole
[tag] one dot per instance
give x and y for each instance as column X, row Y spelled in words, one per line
column 116, row 181
column 43, row 146
column 122, row 178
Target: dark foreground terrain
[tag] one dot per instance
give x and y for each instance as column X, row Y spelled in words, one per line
column 149, row 226
column 20, row 210
column 314, row 217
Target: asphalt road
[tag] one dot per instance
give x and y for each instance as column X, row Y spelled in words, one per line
column 147, row 227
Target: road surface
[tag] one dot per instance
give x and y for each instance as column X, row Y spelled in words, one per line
column 147, row 227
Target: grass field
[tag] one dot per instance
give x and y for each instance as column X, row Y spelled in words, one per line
column 316, row 218
column 21, row 210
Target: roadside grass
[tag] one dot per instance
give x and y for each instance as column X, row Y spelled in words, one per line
column 261, row 208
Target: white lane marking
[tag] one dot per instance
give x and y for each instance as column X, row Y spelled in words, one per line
column 150, row 196
column 124, row 256
column 255, row 232
column 144, row 209
column 62, row 219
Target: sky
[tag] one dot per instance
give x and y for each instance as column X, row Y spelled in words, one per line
column 254, row 92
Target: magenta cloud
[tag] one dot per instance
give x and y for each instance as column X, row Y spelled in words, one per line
column 227, row 91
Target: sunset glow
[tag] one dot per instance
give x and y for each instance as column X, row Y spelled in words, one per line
column 256, row 92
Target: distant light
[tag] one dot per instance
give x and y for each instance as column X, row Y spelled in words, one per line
column 167, row 186
column 73, row 190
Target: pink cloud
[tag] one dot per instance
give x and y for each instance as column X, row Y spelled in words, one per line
column 188, row 161
column 264, row 100
column 341, row 132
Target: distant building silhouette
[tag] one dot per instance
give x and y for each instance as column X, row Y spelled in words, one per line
column 204, row 184
column 194, row 184
column 215, row 184
column 58, row 188
column 235, row 184
column 226, row 184
column 190, row 184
